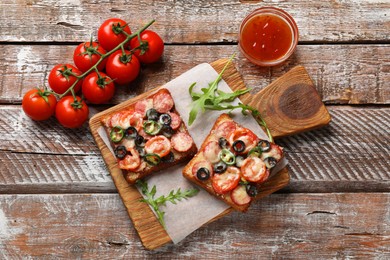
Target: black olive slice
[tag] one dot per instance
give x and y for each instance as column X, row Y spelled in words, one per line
column 220, row 167
column 139, row 141
column 223, row 143
column 152, row 114
column 251, row 189
column 239, row 146
column 167, row 131
column 270, row 162
column 120, row 152
column 264, row 145
column 168, row 158
column 203, row 174
column 131, row 132
column 165, row 119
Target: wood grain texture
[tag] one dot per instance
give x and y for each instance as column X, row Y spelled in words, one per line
column 190, row 21
column 300, row 226
column 352, row 137
column 351, row 154
column 151, row 232
column 342, row 74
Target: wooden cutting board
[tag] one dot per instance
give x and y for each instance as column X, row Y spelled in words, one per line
column 289, row 105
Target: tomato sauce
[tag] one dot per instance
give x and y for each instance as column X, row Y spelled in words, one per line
column 266, row 37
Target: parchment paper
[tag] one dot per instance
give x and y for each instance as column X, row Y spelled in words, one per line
column 188, row 215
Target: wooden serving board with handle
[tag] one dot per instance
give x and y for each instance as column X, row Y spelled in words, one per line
column 289, row 105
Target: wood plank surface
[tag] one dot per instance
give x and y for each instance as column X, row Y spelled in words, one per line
column 58, row 200
column 351, row 154
column 296, row 226
column 342, row 74
column 190, row 22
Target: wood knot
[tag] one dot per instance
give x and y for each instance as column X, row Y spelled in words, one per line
column 300, row 101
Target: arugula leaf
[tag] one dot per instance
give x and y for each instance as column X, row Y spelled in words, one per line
column 172, row 197
column 214, row 99
column 208, row 93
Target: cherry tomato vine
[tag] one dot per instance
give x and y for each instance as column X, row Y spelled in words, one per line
column 118, row 51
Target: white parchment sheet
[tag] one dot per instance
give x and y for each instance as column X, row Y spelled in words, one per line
column 188, row 215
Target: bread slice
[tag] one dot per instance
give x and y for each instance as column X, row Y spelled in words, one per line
column 148, row 135
column 232, row 163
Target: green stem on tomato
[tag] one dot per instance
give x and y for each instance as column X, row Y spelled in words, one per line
column 102, row 57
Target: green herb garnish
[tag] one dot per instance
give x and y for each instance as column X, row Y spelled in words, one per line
column 212, row 98
column 172, row 197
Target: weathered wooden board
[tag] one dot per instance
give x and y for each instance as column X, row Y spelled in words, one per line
column 190, row 21
column 297, row 226
column 150, row 231
column 342, row 74
column 44, row 157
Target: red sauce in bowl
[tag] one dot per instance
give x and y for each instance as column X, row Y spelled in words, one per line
column 268, row 36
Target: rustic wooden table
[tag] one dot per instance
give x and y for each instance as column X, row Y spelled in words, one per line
column 58, row 200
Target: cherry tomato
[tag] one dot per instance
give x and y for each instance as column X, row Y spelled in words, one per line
column 226, row 181
column 152, row 47
column 122, row 68
column 85, row 56
column 131, row 161
column 71, row 113
column 112, row 32
column 253, row 169
column 39, row 104
column 98, row 90
column 159, row 145
column 247, row 136
column 61, row 78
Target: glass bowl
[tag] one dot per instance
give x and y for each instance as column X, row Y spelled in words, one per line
column 268, row 31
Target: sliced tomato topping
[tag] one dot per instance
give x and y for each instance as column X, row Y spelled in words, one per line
column 200, row 164
column 182, row 142
column 225, row 129
column 136, row 120
column 162, row 101
column 239, row 195
column 211, row 151
column 247, row 136
column 159, row 145
column 115, row 118
column 175, row 120
column 276, row 152
column 124, row 120
column 143, row 105
column 131, row 161
column 227, row 181
column 253, row 169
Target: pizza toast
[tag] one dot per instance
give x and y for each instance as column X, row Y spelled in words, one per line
column 232, row 163
column 148, row 136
